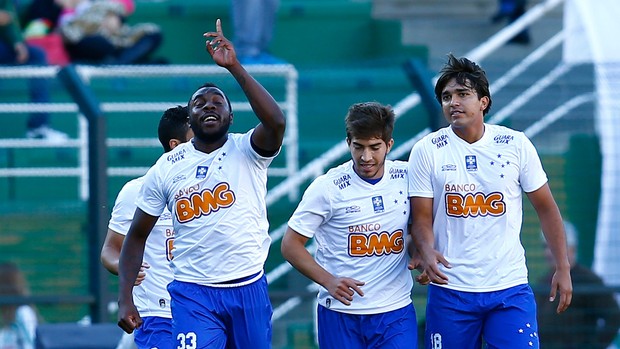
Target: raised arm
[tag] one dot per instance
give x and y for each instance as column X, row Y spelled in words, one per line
column 269, row 134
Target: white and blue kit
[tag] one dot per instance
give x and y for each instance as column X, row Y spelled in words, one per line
column 360, row 230
column 477, row 215
column 221, row 242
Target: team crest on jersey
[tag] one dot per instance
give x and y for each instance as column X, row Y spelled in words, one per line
column 201, row 172
column 471, row 163
column 162, row 303
column 377, row 204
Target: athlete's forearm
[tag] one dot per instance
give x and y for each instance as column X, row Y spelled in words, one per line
column 129, row 264
column 109, row 259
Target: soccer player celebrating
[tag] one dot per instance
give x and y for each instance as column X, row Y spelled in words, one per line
column 215, row 187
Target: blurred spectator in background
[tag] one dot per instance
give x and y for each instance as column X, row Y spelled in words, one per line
column 95, row 32
column 18, row 323
column 47, row 11
column 15, row 51
column 253, row 26
column 511, row 10
column 592, row 320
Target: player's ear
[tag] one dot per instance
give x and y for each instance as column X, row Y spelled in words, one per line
column 389, row 145
column 484, row 103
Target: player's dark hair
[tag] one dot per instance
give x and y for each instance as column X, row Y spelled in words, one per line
column 466, row 73
column 210, row 84
column 370, row 120
column 174, row 124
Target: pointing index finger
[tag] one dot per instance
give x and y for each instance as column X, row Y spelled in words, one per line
column 218, row 26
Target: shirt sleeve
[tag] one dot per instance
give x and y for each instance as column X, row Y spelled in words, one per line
column 532, row 175
column 313, row 209
column 152, row 199
column 419, row 171
column 124, row 209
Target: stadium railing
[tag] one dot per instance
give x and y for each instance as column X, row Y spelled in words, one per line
column 288, row 103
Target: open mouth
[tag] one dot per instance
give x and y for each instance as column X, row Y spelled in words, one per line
column 209, row 119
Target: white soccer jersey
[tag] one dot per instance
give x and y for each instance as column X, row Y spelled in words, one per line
column 477, row 209
column 360, row 231
column 150, row 297
column 218, row 206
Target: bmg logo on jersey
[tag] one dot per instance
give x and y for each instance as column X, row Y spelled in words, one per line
column 376, row 243
column 475, row 204
column 377, row 204
column 203, row 203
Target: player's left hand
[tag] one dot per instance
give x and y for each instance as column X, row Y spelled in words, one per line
column 221, row 49
column 561, row 282
column 423, row 279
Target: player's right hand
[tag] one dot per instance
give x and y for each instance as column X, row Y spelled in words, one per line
column 219, row 47
column 141, row 273
column 343, row 289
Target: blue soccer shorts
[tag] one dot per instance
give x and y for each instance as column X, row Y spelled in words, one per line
column 155, row 332
column 221, row 317
column 395, row 329
column 504, row 319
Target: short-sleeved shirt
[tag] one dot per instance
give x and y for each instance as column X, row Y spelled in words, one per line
column 477, row 209
column 150, row 297
column 360, row 230
column 218, row 209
